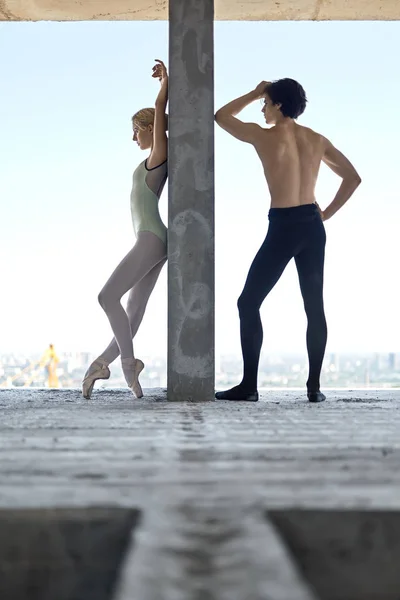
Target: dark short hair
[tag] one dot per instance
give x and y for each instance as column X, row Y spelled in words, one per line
column 290, row 95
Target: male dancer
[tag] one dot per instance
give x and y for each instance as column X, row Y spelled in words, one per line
column 291, row 156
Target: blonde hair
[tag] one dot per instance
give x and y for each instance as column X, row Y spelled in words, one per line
column 145, row 117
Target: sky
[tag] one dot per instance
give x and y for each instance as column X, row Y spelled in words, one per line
column 67, row 93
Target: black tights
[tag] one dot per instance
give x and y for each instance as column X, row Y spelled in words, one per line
column 297, row 233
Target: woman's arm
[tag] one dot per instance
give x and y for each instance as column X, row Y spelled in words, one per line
column 159, row 150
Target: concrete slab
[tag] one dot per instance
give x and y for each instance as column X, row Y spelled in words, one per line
column 225, row 10
column 226, row 553
column 203, row 477
column 58, row 449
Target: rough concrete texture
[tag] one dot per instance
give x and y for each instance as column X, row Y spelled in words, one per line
column 231, row 10
column 210, row 552
column 191, row 202
column 204, row 477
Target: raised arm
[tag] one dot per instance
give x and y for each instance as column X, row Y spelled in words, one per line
column 226, row 116
column 340, row 165
column 159, row 151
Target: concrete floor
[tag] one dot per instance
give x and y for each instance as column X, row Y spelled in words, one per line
column 203, row 478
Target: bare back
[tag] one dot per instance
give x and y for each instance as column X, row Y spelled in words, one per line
column 291, row 156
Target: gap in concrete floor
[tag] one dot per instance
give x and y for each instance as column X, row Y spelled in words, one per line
column 77, row 554
column 63, row 554
column 344, row 554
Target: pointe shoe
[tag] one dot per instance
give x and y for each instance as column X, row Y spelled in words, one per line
column 97, row 370
column 132, row 369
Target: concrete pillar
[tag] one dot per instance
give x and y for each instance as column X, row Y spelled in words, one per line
column 191, row 201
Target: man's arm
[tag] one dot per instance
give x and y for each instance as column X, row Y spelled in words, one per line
column 340, row 165
column 226, row 116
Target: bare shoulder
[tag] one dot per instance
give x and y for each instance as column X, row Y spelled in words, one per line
column 311, row 133
column 265, row 133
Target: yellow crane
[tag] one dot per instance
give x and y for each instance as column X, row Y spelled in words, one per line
column 27, row 369
column 49, row 361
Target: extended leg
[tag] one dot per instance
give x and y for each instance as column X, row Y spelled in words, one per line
column 148, row 254
column 136, row 306
column 264, row 273
column 148, row 251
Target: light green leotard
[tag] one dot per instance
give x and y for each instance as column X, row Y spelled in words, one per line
column 147, row 186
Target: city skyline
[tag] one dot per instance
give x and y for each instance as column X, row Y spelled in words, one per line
column 340, row 371
column 66, row 161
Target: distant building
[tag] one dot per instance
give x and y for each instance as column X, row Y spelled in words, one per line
column 394, row 362
column 334, row 362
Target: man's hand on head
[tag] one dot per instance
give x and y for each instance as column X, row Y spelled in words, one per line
column 261, row 89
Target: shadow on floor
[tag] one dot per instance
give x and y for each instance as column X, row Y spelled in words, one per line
column 344, row 555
